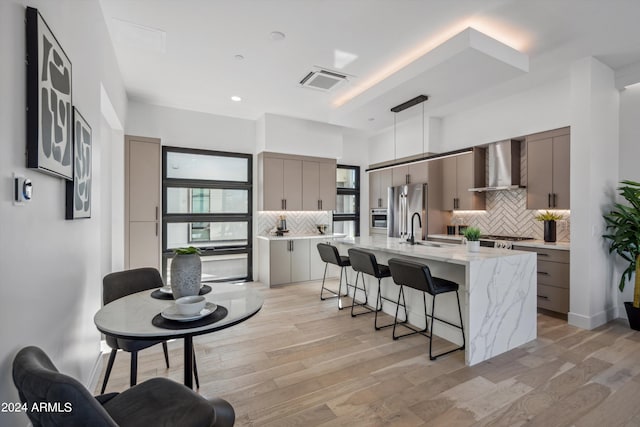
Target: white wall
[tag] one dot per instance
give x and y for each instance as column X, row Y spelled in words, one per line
column 301, row 137
column 50, row 267
column 182, row 128
column 628, row 160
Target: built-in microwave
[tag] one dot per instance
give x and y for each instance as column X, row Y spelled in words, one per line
column 379, row 218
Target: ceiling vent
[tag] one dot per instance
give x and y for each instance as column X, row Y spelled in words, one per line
column 322, row 79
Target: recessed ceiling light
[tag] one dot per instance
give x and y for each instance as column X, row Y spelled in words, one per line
column 277, row 35
column 238, row 57
column 236, row 98
column 371, row 119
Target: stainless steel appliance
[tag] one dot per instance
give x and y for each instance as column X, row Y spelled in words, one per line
column 379, row 218
column 404, row 201
column 497, row 241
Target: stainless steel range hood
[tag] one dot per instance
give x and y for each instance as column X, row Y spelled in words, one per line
column 504, row 166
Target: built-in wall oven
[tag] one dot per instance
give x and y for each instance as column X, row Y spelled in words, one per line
column 378, row 218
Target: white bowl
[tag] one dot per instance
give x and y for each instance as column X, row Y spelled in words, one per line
column 190, row 305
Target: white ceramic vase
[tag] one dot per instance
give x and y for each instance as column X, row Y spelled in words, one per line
column 473, row 246
column 186, row 273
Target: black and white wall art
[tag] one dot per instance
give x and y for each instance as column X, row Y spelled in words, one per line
column 49, row 144
column 78, row 203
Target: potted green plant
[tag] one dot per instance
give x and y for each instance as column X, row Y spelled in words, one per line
column 472, row 234
column 549, row 219
column 623, row 226
column 186, row 272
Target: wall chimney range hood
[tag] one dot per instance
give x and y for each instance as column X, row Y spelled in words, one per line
column 504, row 166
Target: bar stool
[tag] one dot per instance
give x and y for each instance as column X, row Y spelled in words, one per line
column 330, row 255
column 366, row 263
column 418, row 276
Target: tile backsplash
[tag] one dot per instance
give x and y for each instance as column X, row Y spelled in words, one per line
column 298, row 222
column 507, row 214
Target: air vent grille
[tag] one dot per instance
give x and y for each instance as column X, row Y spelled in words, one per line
column 322, row 80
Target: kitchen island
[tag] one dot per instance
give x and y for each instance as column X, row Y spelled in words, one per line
column 497, row 292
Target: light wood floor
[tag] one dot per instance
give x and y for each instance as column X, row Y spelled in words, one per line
column 301, row 362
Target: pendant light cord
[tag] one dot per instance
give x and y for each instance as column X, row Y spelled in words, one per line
column 394, row 136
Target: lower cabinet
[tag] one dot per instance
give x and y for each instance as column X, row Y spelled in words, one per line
column 290, row 261
column 553, row 278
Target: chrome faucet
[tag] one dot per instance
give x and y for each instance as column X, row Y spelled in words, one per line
column 412, row 239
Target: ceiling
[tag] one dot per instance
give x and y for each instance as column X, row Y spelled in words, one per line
column 182, row 53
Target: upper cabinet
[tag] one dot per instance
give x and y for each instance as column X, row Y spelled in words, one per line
column 296, row 183
column 318, row 185
column 416, row 173
column 459, row 174
column 548, row 170
column 379, row 183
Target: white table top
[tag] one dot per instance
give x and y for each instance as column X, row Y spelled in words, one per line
column 130, row 316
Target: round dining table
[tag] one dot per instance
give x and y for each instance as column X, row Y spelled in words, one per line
column 131, row 317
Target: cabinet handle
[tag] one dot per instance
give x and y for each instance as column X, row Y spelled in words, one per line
column 379, row 203
column 282, row 204
column 156, row 213
column 555, row 204
column 156, row 228
column 285, row 204
column 541, row 254
column 549, row 199
column 544, row 273
column 406, row 179
column 543, row 297
column 320, row 204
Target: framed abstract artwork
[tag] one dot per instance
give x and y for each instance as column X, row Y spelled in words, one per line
column 78, row 203
column 49, row 144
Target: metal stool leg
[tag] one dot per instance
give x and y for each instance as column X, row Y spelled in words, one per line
column 461, row 327
column 379, row 308
column 325, row 289
column 366, row 297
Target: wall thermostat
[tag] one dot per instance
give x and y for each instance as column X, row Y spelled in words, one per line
column 23, row 189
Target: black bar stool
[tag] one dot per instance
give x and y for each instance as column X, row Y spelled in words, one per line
column 330, row 255
column 366, row 263
column 418, row 276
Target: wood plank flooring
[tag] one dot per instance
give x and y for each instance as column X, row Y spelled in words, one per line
column 302, row 362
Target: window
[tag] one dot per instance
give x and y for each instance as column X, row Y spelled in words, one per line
column 346, row 218
column 207, row 204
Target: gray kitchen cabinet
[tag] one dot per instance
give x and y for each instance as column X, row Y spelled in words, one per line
column 282, row 261
column 295, row 183
column 548, row 166
column 318, row 186
column 410, row 174
column 142, row 202
column 459, row 173
column 379, row 183
column 552, row 278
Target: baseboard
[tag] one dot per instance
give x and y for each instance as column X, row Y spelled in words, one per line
column 592, row 322
column 95, row 373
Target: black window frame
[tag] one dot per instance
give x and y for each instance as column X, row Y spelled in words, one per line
column 340, row 217
column 209, row 217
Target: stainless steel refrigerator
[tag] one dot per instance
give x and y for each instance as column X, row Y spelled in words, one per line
column 404, row 201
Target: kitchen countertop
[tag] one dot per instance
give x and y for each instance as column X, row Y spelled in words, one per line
column 564, row 246
column 288, row 236
column 444, row 252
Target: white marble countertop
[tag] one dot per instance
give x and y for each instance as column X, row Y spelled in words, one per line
column 303, row 236
column 444, row 252
column 564, row 246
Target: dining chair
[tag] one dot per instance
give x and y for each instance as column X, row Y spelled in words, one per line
column 120, row 284
column 158, row 401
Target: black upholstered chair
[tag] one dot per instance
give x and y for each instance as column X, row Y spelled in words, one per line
column 330, row 255
column 418, row 276
column 120, row 284
column 158, row 401
column 365, row 262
